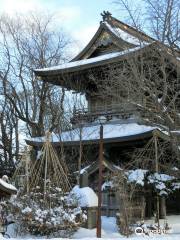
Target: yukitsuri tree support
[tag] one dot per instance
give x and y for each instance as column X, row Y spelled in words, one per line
column 21, row 175
column 153, row 152
column 48, row 169
column 45, row 208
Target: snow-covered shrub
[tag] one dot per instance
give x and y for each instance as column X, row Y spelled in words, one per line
column 49, row 214
column 132, row 185
column 161, row 183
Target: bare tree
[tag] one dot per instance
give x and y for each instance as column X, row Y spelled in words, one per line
column 9, row 139
column 151, row 79
column 29, row 43
column 161, row 19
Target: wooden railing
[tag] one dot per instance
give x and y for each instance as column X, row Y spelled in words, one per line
column 119, row 111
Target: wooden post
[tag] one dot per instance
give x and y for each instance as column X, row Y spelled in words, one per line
column 157, row 170
column 163, row 207
column 27, row 170
column 143, row 202
column 80, row 156
column 98, row 233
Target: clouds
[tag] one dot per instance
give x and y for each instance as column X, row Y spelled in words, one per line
column 68, row 13
column 63, row 12
column 82, row 37
column 19, row 6
column 79, row 18
column 85, row 34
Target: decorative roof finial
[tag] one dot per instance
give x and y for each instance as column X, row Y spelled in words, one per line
column 106, row 15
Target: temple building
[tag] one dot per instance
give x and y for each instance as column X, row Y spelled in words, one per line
column 126, row 133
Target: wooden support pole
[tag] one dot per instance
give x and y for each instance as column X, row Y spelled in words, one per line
column 157, row 170
column 163, row 207
column 27, row 171
column 98, row 233
column 46, row 163
column 80, row 156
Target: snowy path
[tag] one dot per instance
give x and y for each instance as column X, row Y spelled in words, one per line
column 110, row 231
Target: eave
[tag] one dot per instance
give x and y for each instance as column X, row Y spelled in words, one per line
column 69, row 74
column 119, row 140
column 63, row 75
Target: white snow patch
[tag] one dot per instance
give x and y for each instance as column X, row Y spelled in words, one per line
column 7, row 185
column 27, row 210
column 84, row 169
column 160, row 177
column 92, row 132
column 88, row 61
column 107, row 184
column 86, row 196
column 136, row 176
column 160, row 186
column 174, row 168
column 125, row 35
column 110, row 231
column 163, row 192
column 176, row 185
column 39, row 153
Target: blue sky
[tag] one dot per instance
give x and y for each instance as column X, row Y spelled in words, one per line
column 76, row 14
column 79, row 17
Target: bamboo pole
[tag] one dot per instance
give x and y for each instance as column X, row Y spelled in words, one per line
column 46, row 163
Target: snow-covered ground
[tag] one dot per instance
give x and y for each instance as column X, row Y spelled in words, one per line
column 110, row 231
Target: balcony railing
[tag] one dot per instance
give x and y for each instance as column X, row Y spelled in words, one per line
column 116, row 111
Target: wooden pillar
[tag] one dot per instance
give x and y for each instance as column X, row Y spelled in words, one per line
column 98, row 233
column 80, row 157
column 149, row 207
column 27, row 159
column 143, row 202
column 157, row 170
column 109, row 202
column 163, row 207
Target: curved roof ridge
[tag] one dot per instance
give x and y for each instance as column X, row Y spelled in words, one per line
column 96, row 35
column 107, row 25
column 113, row 21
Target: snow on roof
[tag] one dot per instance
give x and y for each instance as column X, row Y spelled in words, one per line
column 89, row 60
column 92, row 132
column 86, row 196
column 125, row 35
column 7, row 185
